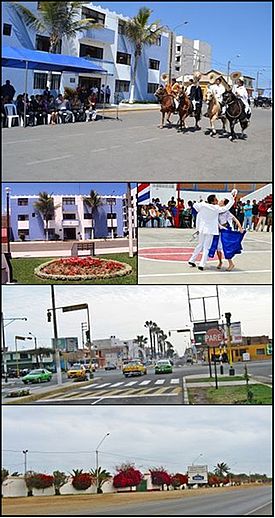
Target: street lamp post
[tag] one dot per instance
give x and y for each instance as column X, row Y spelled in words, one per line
column 25, row 453
column 96, row 459
column 171, row 31
column 259, row 73
column 8, row 218
column 10, row 321
column 16, row 338
column 35, row 348
column 200, row 455
column 229, row 67
column 130, row 220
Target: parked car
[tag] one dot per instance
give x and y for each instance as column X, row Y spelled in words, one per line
column 163, row 367
column 110, row 367
column 78, row 372
column 37, row 376
column 133, row 368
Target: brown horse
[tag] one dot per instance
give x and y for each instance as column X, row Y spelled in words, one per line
column 167, row 104
column 214, row 112
column 185, row 110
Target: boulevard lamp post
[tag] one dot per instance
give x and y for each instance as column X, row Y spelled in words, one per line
column 259, row 73
column 229, row 67
column 200, row 455
column 8, row 218
column 9, row 321
column 25, row 453
column 35, row 348
column 96, row 459
column 172, row 43
column 16, row 338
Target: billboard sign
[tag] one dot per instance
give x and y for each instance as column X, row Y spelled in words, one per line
column 66, row 345
column 197, row 474
column 236, row 332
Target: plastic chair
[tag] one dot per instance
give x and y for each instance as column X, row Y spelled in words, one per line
column 11, row 113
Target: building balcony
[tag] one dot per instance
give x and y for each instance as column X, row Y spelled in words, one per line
column 70, row 223
column 103, row 35
column 107, row 65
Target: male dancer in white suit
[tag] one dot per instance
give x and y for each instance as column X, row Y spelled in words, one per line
column 207, row 224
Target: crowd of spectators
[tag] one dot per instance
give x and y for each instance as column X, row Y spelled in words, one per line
column 77, row 105
column 256, row 216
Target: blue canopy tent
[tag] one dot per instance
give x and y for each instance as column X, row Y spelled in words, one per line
column 37, row 60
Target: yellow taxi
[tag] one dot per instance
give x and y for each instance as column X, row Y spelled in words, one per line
column 133, row 368
column 77, row 371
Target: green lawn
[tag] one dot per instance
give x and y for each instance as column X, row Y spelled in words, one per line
column 220, row 378
column 236, row 395
column 23, row 271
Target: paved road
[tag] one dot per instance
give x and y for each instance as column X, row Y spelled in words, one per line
column 112, row 388
column 240, row 502
column 135, row 149
column 163, row 255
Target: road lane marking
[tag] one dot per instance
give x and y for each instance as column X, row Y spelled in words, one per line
column 103, row 385
column 146, row 140
column 159, row 382
column 145, row 382
column 99, row 150
column 131, row 383
column 258, row 508
column 23, row 141
column 117, row 384
column 49, row 159
column 174, row 381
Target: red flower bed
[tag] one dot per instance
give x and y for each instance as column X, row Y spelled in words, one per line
column 179, row 479
column 128, row 478
column 82, row 481
column 39, row 481
column 82, row 268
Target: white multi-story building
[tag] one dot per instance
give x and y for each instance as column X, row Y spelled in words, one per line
column 107, row 46
column 191, row 56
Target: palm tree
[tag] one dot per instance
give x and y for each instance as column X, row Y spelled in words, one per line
column 100, row 476
column 141, row 341
column 141, row 33
column 46, row 207
column 170, row 350
column 222, row 469
column 156, row 333
column 93, row 202
column 149, row 325
column 60, row 479
column 57, row 19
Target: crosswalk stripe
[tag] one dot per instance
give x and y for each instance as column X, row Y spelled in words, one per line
column 88, row 386
column 159, row 382
column 103, row 385
column 174, row 381
column 145, row 382
column 130, row 384
column 117, row 384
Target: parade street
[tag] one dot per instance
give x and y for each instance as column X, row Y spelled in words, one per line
column 164, row 254
column 134, row 148
column 110, row 387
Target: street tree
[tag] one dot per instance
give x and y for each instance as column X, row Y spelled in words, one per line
column 45, row 206
column 58, row 20
column 221, row 469
column 100, row 477
column 59, row 479
column 141, row 33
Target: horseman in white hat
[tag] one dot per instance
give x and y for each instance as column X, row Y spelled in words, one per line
column 196, row 95
column 174, row 89
column 241, row 92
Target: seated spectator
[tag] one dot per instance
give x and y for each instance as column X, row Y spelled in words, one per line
column 77, row 108
column 154, row 215
column 41, row 112
column 19, row 103
column 91, row 108
column 52, row 110
column 64, row 109
column 143, row 216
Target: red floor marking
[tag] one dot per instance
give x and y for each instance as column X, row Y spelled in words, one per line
column 168, row 254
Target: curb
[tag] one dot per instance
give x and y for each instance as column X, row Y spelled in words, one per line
column 185, row 392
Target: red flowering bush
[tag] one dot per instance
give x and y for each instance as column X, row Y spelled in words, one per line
column 160, row 477
column 82, row 481
column 78, row 268
column 213, row 480
column 127, row 476
column 178, row 480
column 39, row 481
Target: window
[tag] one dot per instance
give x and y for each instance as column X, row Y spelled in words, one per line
column 23, row 217
column 152, row 88
column 123, row 58
column 178, row 59
column 122, row 86
column 111, row 215
column 22, row 202
column 87, row 215
column 158, row 42
column 90, row 51
column 121, row 26
column 24, row 356
column 68, row 201
column 7, row 29
column 43, row 43
column 111, row 201
column 69, row 216
column 178, row 48
column 154, row 64
column 260, row 351
column 95, row 15
column 177, row 69
column 40, row 81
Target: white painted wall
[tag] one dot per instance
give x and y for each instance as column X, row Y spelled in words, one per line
column 14, row 486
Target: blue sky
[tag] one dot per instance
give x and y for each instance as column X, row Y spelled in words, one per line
column 232, row 28
column 63, row 188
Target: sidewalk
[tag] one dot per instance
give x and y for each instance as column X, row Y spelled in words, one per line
column 42, row 391
column 126, row 107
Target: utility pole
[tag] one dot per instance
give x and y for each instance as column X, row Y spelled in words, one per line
column 57, row 355
column 96, row 460
column 130, row 220
column 25, row 452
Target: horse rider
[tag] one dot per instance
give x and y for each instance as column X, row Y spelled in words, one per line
column 218, row 90
column 174, row 89
column 188, row 88
column 241, row 92
column 196, row 95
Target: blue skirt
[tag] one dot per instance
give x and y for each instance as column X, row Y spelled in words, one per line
column 231, row 243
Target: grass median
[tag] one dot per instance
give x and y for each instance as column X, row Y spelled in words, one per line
column 45, row 394
column 23, row 271
column 235, row 395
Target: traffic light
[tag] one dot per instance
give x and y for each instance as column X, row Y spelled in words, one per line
column 49, row 316
column 88, row 337
column 228, row 318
